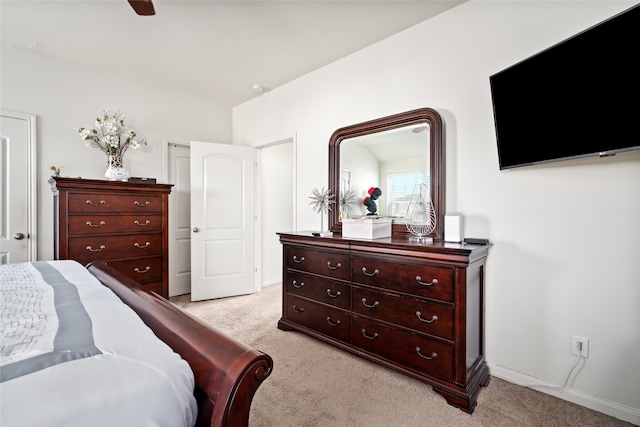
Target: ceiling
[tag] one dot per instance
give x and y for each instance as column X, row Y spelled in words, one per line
column 397, row 144
column 217, row 50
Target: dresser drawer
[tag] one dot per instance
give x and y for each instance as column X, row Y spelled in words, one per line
column 114, row 202
column 86, row 249
column 411, row 313
column 99, row 224
column 330, row 264
column 426, row 281
column 412, row 351
column 324, row 319
column 318, row 289
column 140, row 269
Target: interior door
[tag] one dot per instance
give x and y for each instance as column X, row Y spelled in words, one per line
column 222, row 220
column 17, row 188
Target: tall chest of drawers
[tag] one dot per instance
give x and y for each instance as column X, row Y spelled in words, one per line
column 415, row 308
column 122, row 223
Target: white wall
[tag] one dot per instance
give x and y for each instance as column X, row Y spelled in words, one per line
column 565, row 259
column 276, row 210
column 365, row 173
column 65, row 96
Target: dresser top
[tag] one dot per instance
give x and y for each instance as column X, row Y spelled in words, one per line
column 58, row 183
column 390, row 245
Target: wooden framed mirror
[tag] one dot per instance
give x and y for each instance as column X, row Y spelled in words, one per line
column 389, row 153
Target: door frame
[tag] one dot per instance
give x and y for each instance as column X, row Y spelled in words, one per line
column 172, row 249
column 259, row 198
column 258, row 224
column 32, row 175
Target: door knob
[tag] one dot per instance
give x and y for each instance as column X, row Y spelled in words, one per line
column 18, row 236
column 196, row 229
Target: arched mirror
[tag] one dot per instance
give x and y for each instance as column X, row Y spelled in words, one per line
column 393, row 154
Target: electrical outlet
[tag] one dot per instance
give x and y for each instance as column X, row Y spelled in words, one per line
column 580, row 346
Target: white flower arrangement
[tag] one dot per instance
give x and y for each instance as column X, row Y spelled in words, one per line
column 110, row 134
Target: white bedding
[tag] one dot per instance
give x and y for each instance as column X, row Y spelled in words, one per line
column 83, row 362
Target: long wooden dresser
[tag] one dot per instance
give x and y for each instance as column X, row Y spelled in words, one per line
column 123, row 223
column 415, row 308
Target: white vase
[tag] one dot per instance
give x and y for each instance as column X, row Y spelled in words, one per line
column 115, row 171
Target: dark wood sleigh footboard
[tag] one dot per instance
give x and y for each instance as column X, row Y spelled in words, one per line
column 227, row 372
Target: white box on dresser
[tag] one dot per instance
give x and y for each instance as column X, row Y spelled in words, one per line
column 366, row 227
column 453, row 227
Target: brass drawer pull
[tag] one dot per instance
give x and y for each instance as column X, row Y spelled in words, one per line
column 364, row 271
column 137, row 203
column 433, row 318
column 364, row 302
column 336, row 323
column 90, row 203
column 298, row 260
column 336, row 295
column 137, row 270
column 298, row 309
column 433, row 355
column 420, row 282
column 136, row 222
column 138, row 245
column 369, row 337
column 95, row 250
column 95, row 225
column 331, row 267
column 298, row 285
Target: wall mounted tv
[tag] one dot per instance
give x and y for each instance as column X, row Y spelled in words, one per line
column 578, row 98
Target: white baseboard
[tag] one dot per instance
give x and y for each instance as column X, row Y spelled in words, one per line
column 621, row 412
column 271, row 283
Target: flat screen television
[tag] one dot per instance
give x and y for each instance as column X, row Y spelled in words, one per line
column 578, row 98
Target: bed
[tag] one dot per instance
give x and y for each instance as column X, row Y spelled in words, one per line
column 73, row 354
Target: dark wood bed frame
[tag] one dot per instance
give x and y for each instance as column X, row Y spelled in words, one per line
column 227, row 372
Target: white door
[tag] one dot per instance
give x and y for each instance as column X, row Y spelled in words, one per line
column 222, row 220
column 17, row 188
column 179, row 174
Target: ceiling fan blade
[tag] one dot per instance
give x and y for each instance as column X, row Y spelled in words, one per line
column 143, row 7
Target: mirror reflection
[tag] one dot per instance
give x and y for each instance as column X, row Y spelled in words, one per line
column 383, row 168
column 387, row 154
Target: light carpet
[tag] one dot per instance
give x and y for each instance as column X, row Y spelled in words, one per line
column 316, row 384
